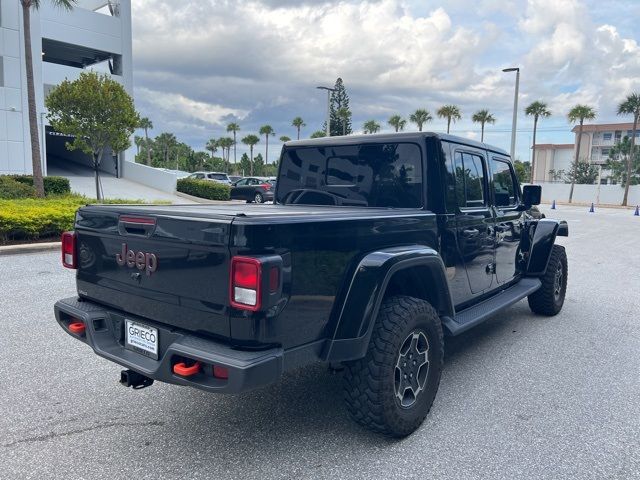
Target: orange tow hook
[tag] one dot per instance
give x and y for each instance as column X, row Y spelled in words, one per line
column 184, row 371
column 77, row 328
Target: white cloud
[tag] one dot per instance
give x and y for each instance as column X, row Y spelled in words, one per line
column 206, row 61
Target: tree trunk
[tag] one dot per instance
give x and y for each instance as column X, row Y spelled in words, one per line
column 533, row 150
column 575, row 161
column 146, row 135
column 234, row 149
column 482, row 132
column 630, row 160
column 36, row 159
column 298, row 133
column 97, row 158
column 448, row 124
column 266, row 150
column 251, row 163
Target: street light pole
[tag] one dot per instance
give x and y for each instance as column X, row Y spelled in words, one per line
column 329, row 90
column 515, row 110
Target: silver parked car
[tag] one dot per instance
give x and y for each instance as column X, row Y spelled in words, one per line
column 219, row 177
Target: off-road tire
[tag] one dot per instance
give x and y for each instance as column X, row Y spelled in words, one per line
column 370, row 383
column 548, row 300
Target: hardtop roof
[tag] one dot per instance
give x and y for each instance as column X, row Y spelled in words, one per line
column 391, row 137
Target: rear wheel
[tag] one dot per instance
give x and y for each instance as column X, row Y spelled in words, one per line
column 549, row 299
column 392, row 388
column 258, row 198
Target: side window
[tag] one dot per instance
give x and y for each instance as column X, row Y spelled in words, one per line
column 503, row 185
column 469, row 180
column 199, row 176
column 242, row 182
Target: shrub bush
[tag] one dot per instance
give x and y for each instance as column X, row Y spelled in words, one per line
column 9, row 188
column 34, row 218
column 203, row 189
column 52, row 185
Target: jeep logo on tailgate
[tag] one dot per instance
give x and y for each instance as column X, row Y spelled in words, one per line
column 141, row 260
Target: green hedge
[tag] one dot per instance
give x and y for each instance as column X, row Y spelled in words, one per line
column 9, row 188
column 203, row 189
column 52, row 185
column 34, row 218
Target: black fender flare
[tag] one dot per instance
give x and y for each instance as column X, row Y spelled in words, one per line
column 543, row 239
column 356, row 317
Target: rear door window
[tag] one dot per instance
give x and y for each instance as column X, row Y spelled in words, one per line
column 470, row 180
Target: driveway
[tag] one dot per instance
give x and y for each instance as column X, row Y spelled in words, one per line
column 83, row 182
column 521, row 397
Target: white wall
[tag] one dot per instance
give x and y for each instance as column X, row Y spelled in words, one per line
column 152, row 177
column 79, row 26
column 608, row 194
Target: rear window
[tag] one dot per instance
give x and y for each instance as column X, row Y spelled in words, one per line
column 369, row 175
column 218, row 176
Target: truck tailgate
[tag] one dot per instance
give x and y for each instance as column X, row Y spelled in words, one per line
column 171, row 269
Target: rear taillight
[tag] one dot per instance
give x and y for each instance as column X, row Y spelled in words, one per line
column 266, row 186
column 69, row 256
column 246, row 277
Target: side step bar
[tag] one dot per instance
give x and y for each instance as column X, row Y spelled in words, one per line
column 472, row 316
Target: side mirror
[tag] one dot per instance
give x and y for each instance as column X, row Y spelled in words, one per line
column 531, row 195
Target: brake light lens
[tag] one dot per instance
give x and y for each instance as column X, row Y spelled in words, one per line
column 69, row 257
column 266, row 186
column 245, row 282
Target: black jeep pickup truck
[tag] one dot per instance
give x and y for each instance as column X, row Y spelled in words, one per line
column 375, row 248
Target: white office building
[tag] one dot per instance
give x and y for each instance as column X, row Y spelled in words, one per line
column 95, row 35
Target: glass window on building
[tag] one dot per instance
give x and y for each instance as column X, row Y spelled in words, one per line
column 607, row 136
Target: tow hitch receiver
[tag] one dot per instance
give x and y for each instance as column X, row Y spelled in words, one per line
column 129, row 378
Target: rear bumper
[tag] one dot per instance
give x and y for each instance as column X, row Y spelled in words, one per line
column 104, row 332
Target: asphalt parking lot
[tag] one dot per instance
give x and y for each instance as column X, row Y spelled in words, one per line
column 521, row 396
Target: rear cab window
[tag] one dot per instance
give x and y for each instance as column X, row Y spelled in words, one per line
column 369, row 174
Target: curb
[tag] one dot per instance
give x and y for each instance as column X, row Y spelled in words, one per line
column 29, row 248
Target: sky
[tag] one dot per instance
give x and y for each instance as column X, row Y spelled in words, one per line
column 199, row 64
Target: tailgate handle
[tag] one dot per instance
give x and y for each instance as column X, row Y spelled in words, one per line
column 134, row 225
column 184, row 371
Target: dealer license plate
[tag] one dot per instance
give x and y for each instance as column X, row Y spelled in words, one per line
column 142, row 339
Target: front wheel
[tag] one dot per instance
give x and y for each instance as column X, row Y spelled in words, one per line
column 392, row 388
column 549, row 298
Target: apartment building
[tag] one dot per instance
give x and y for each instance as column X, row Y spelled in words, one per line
column 95, row 35
column 597, row 141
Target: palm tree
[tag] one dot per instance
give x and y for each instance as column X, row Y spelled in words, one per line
column 451, row 113
column 537, row 110
column 251, row 140
column 267, row 130
column 344, row 114
column 233, row 127
column 630, row 106
column 298, row 123
column 371, row 126
column 212, row 146
column 318, row 134
column 225, row 143
column 36, row 159
column 482, row 117
column 397, row 122
column 285, row 139
column 146, row 125
column 138, row 141
column 579, row 113
column 420, row 117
